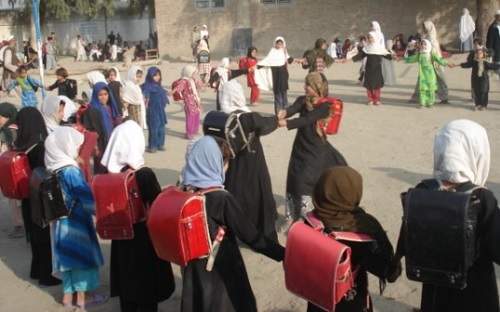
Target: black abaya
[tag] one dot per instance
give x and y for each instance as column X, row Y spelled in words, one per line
column 138, row 276
column 248, row 178
column 373, row 70
column 311, row 154
column 226, row 288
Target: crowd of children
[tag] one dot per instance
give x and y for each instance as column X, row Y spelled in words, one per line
column 119, row 111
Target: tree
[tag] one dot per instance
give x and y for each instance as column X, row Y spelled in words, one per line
column 485, row 12
column 139, row 6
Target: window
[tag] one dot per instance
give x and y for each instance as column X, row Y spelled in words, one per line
column 206, row 4
column 276, row 1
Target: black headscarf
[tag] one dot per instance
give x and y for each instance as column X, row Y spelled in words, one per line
column 9, row 111
column 31, row 128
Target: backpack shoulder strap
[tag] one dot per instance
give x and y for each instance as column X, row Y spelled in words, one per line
column 432, row 184
column 315, row 223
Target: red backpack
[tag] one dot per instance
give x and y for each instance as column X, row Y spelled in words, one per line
column 118, row 204
column 336, row 108
column 318, row 265
column 16, row 173
column 176, row 95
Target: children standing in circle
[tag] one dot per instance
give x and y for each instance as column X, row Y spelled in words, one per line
column 156, row 98
column 278, row 59
column 28, row 85
column 373, row 80
column 75, row 248
column 188, row 88
column 427, row 78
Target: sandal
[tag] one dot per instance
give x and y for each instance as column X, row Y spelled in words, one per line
column 97, row 299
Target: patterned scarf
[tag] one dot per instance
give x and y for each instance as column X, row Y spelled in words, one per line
column 319, row 84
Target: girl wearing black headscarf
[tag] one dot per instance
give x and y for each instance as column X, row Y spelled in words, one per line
column 8, row 113
column 30, row 139
column 336, row 198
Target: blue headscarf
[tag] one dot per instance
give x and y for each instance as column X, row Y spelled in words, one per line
column 94, row 103
column 155, row 87
column 205, row 165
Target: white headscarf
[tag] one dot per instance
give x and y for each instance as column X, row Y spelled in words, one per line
column 428, row 49
column 233, row 98
column 50, row 110
column 125, row 148
column 118, row 77
column 378, row 31
column 462, row 153
column 375, row 48
column 431, row 35
column 203, row 31
column 69, row 107
column 223, row 70
column 95, row 77
column 467, row 26
column 61, row 148
column 132, row 92
column 276, row 57
column 187, row 74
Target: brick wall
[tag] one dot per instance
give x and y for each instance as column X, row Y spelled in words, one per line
column 301, row 22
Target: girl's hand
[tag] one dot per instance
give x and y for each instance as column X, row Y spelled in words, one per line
column 282, row 114
column 282, row 123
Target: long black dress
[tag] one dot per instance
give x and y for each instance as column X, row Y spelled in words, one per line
column 138, row 276
column 374, row 79
column 226, row 288
column 39, row 238
column 480, row 84
column 256, row 193
column 481, row 294
column 311, row 154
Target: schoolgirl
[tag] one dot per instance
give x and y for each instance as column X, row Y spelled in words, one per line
column 138, row 276
column 133, row 100
column 226, row 287
column 188, row 88
column 427, row 78
column 156, row 98
column 373, row 79
column 75, row 248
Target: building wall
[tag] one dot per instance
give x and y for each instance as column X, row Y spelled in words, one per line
column 301, row 22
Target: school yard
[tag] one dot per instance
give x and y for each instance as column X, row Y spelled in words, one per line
column 391, row 146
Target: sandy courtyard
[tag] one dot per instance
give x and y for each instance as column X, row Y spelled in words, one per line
column 391, row 146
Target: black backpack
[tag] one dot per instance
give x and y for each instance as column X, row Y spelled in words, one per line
column 46, row 197
column 440, row 233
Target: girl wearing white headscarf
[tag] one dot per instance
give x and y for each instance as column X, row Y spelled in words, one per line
column 69, row 107
column 467, row 27
column 374, row 54
column 249, row 165
column 375, row 27
column 427, row 78
column 132, row 98
column 277, row 60
column 53, row 112
column 462, row 155
column 430, row 33
column 138, row 276
column 187, row 87
column 95, row 77
column 223, row 74
column 75, row 248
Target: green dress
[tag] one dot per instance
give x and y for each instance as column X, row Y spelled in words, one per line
column 427, row 78
column 426, row 75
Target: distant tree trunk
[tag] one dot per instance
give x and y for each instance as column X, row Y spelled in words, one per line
column 485, row 14
column 32, row 31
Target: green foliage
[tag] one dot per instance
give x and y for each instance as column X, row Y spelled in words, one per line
column 138, row 7
column 63, row 9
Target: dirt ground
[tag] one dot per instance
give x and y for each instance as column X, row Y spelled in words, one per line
column 391, row 146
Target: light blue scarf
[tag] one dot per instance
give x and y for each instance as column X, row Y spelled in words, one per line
column 205, row 165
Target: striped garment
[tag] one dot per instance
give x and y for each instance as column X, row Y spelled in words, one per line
column 74, row 239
